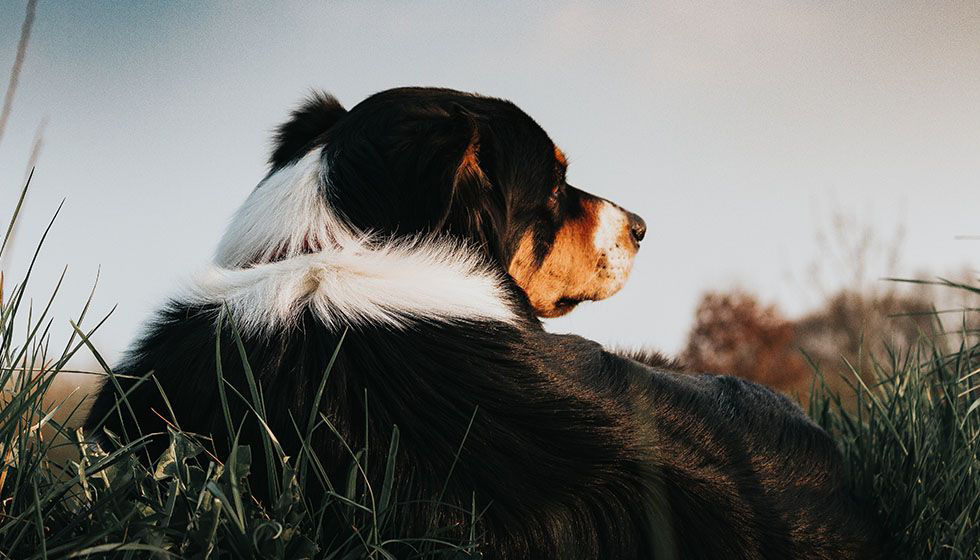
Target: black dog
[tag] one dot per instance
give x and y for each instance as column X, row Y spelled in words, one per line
column 434, row 227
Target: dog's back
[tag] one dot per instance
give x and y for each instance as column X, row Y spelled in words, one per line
column 748, row 474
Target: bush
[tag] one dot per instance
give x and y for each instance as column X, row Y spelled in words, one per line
column 733, row 333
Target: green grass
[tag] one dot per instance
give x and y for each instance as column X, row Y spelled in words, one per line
column 911, row 441
column 910, row 445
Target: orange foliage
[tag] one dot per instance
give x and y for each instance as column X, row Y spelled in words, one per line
column 734, row 334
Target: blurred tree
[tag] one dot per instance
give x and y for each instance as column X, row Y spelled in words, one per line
column 734, row 334
column 861, row 327
column 855, row 318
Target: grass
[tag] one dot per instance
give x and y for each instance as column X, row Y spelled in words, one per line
column 911, row 441
column 910, row 446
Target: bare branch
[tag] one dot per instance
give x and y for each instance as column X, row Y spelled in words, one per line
column 25, row 35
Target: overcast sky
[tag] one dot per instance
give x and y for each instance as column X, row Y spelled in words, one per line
column 734, row 128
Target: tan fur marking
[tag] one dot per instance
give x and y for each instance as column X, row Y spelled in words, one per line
column 570, row 270
column 560, row 156
column 469, row 166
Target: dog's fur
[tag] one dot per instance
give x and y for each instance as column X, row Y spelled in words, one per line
column 434, row 227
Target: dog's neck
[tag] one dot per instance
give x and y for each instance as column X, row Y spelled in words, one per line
column 286, row 251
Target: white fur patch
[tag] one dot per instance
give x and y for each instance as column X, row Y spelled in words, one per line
column 395, row 284
column 610, row 242
column 611, row 223
column 351, row 279
column 283, row 215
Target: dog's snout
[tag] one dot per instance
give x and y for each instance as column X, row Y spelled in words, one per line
column 638, row 228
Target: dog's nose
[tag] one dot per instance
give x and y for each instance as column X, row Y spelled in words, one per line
column 638, row 228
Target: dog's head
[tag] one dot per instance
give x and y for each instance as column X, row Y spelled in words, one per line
column 420, row 160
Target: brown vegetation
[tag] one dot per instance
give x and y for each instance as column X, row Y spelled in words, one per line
column 734, row 333
column 850, row 330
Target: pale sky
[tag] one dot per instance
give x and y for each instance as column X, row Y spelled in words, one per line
column 733, row 128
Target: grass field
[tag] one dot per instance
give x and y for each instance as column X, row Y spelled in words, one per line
column 910, row 444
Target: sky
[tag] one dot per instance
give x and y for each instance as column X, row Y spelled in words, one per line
column 736, row 129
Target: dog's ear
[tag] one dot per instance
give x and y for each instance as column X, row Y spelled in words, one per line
column 456, row 168
column 306, row 125
column 472, row 208
column 423, row 171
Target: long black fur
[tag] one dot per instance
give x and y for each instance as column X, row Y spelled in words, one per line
column 305, row 127
column 574, row 451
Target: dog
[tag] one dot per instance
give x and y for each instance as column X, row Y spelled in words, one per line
column 430, row 229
